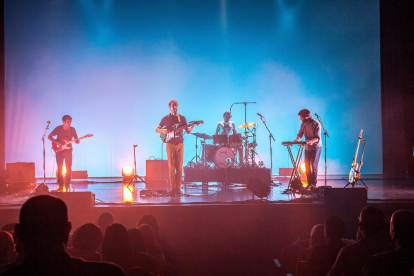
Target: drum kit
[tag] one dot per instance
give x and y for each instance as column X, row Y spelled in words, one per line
column 227, row 151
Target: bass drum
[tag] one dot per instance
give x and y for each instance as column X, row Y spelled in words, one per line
column 224, row 158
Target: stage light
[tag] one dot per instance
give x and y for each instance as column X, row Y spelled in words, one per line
column 128, row 172
column 302, row 168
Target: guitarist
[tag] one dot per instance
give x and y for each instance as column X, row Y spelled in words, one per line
column 64, row 133
column 175, row 146
column 312, row 131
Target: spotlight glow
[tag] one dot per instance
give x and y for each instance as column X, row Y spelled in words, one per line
column 127, row 171
column 302, row 168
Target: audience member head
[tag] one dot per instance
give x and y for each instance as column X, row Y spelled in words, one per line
column 9, row 227
column 43, row 223
column 105, row 219
column 150, row 241
column 151, row 221
column 402, row 228
column 6, row 247
column 334, row 228
column 88, row 237
column 317, row 235
column 115, row 242
column 138, row 271
column 371, row 221
column 136, row 239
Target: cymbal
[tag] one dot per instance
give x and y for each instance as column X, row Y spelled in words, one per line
column 202, row 135
column 246, row 125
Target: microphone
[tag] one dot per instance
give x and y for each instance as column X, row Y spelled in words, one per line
column 316, row 115
column 48, row 123
column 261, row 116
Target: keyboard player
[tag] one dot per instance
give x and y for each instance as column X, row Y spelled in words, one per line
column 311, row 129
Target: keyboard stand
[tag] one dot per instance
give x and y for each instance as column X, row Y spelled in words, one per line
column 295, row 172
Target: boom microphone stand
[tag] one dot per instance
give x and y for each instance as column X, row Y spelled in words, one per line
column 270, row 140
column 135, row 168
column 43, row 188
column 325, row 133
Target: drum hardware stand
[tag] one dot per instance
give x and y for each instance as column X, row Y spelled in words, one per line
column 295, row 176
column 325, row 133
column 245, row 122
column 43, row 188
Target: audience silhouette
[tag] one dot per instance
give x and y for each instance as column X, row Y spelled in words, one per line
column 401, row 260
column 6, row 247
column 352, row 258
column 104, row 221
column 86, row 240
column 322, row 257
column 44, row 229
column 117, row 248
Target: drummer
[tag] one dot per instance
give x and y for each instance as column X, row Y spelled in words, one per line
column 229, row 128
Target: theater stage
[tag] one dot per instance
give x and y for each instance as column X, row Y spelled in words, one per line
column 218, row 229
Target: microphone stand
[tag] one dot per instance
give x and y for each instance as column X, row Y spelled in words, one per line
column 325, row 133
column 43, row 188
column 270, row 140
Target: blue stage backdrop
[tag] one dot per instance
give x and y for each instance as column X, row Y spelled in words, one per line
column 114, row 65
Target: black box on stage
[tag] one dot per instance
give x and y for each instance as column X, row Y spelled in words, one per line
column 76, row 200
column 156, row 169
column 156, row 174
column 339, row 196
column 20, row 173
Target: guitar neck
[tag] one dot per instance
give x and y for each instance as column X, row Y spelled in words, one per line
column 74, row 140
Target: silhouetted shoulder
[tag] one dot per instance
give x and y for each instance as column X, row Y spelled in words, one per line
column 75, row 267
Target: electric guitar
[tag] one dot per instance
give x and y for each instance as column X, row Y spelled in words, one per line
column 58, row 149
column 355, row 173
column 171, row 131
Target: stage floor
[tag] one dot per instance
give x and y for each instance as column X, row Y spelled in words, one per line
column 113, row 191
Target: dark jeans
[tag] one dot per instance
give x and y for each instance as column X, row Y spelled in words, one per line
column 67, row 156
column 311, row 162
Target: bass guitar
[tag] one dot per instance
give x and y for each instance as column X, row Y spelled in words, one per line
column 58, row 149
column 355, row 172
column 171, row 131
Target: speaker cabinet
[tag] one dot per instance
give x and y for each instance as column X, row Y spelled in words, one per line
column 20, row 173
column 76, row 200
column 344, row 196
column 156, row 174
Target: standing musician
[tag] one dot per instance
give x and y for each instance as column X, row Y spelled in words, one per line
column 312, row 131
column 175, row 147
column 228, row 127
column 64, row 133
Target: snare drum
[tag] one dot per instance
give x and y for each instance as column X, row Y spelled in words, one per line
column 224, row 158
column 235, row 140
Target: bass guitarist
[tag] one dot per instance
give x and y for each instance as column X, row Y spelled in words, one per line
column 175, row 144
column 64, row 133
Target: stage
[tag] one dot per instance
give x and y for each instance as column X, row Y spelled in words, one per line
column 115, row 191
column 220, row 229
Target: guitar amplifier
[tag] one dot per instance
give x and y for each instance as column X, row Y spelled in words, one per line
column 156, row 174
column 20, row 173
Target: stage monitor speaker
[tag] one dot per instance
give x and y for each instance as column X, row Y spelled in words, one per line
column 76, row 200
column 79, row 174
column 258, row 188
column 343, row 196
column 20, row 173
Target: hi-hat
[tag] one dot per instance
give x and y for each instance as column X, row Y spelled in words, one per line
column 202, row 135
column 246, row 125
